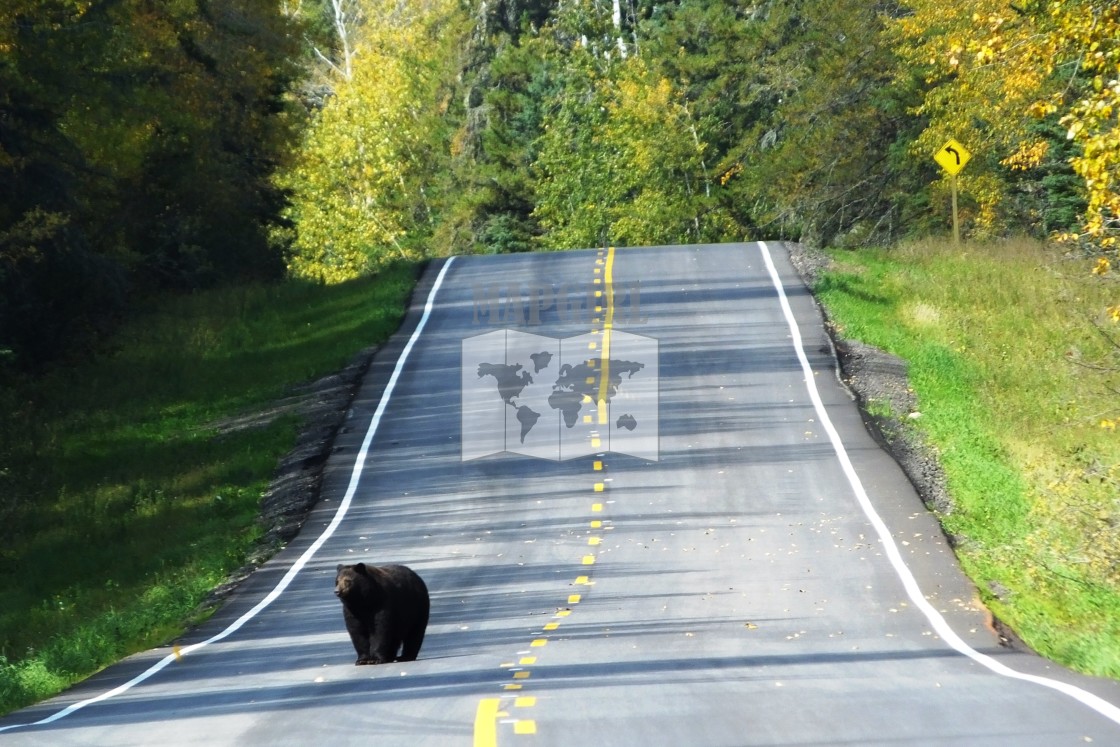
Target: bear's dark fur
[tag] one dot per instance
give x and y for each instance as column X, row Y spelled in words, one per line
column 386, row 611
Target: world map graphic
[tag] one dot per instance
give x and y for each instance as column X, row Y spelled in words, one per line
column 559, row 398
column 574, row 387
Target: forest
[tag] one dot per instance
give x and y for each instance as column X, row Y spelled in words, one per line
column 207, row 204
column 164, row 147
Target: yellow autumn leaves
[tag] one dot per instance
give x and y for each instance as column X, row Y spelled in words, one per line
column 358, row 186
column 995, row 68
column 1088, row 35
column 626, row 147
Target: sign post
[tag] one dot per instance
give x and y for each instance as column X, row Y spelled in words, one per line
column 952, row 156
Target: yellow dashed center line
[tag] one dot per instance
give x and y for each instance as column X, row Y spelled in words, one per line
column 486, row 723
column 490, row 713
column 608, row 323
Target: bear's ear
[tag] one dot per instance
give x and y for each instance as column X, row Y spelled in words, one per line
column 360, row 568
column 340, row 567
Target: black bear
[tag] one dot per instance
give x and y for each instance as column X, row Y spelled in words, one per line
column 386, row 611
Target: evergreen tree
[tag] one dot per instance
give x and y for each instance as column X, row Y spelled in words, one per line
column 137, row 142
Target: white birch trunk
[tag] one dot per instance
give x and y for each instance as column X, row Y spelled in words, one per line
column 616, row 16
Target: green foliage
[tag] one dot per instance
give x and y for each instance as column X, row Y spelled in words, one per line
column 131, row 483
column 823, row 166
column 136, row 144
column 361, row 187
column 568, row 141
column 440, row 126
column 576, row 188
column 512, row 77
column 1048, row 197
column 711, row 50
column 639, row 175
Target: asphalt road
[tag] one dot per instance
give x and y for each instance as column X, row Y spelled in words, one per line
column 754, row 571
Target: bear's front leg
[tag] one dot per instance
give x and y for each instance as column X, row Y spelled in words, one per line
column 372, row 655
column 370, row 650
column 361, row 636
column 367, row 654
column 384, row 640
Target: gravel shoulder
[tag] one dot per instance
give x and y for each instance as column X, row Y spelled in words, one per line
column 880, row 384
column 322, row 406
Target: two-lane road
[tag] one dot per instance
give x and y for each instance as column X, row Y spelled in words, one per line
column 759, row 573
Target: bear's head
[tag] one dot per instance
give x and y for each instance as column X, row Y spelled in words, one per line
column 348, row 579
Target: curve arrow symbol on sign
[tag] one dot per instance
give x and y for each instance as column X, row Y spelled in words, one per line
column 952, row 156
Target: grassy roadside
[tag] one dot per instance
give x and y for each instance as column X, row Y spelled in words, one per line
column 1005, row 361
column 121, row 505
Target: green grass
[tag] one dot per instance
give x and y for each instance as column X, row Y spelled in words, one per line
column 997, row 337
column 121, row 504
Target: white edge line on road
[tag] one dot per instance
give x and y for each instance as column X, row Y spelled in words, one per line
column 282, row 585
column 1098, row 704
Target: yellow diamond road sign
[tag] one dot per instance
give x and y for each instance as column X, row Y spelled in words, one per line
column 952, row 157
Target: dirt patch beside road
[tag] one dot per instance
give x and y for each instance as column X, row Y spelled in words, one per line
column 323, row 407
